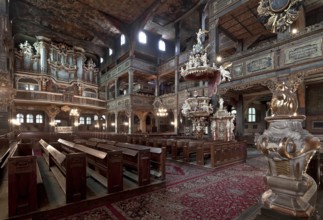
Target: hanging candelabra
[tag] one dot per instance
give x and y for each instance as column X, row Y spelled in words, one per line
column 159, row 108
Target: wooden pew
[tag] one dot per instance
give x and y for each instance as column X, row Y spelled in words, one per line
column 133, row 159
column 191, row 148
column 177, row 148
column 104, row 166
column 157, row 158
column 23, row 177
column 4, row 152
column 222, row 153
column 70, row 171
column 44, row 150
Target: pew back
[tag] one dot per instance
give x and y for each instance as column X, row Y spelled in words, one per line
column 22, row 180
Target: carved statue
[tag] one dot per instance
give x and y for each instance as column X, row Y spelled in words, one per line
column 225, row 74
column 186, row 108
column 200, row 34
column 221, row 103
column 26, row 48
column 284, row 101
column 204, row 60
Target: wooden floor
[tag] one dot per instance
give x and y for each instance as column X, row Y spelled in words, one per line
column 51, row 198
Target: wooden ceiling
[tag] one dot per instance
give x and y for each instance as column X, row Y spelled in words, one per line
column 95, row 25
column 242, row 25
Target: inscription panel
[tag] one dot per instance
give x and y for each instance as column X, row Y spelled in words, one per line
column 260, row 64
column 237, row 70
column 304, row 51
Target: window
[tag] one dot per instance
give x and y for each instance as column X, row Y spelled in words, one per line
column 110, row 51
column 101, row 60
column 122, row 39
column 88, row 120
column 39, row 119
column 95, row 118
column 30, row 118
column 81, row 120
column 251, row 115
column 142, row 37
column 162, row 45
column 89, row 94
column 20, row 118
column 28, row 84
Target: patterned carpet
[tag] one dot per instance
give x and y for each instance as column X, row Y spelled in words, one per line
column 192, row 193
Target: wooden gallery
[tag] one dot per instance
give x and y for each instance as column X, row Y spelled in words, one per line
column 150, row 109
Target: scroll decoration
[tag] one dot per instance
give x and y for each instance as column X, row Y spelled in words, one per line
column 278, row 15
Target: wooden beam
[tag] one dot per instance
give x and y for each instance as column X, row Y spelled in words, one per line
column 234, row 18
column 118, row 24
column 141, row 21
column 188, row 12
column 228, row 34
column 41, row 16
column 255, row 16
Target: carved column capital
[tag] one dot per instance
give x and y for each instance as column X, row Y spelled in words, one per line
column 52, row 111
column 270, row 84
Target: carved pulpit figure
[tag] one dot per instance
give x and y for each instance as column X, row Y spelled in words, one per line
column 221, row 103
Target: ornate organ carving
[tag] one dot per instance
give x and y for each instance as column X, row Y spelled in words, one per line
column 57, row 67
column 60, row 61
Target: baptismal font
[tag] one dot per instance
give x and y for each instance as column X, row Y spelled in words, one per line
column 198, row 68
column 288, row 149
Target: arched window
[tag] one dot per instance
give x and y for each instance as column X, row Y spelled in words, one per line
column 142, row 37
column 81, row 120
column 39, row 119
column 20, row 118
column 122, row 39
column 88, row 120
column 30, row 118
column 28, row 84
column 110, row 51
column 162, row 45
column 251, row 115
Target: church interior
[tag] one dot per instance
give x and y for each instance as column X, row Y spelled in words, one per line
column 161, row 109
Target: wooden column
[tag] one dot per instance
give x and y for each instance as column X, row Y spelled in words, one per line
column 130, row 80
column 240, row 117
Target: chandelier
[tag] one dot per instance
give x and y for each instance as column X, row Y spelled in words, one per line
column 159, row 108
column 74, row 112
column 162, row 112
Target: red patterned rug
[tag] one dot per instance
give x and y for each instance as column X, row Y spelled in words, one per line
column 191, row 193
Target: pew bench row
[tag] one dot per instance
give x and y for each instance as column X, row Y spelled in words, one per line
column 67, row 167
column 219, row 152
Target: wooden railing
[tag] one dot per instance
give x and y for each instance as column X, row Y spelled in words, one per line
column 49, row 97
column 134, row 100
